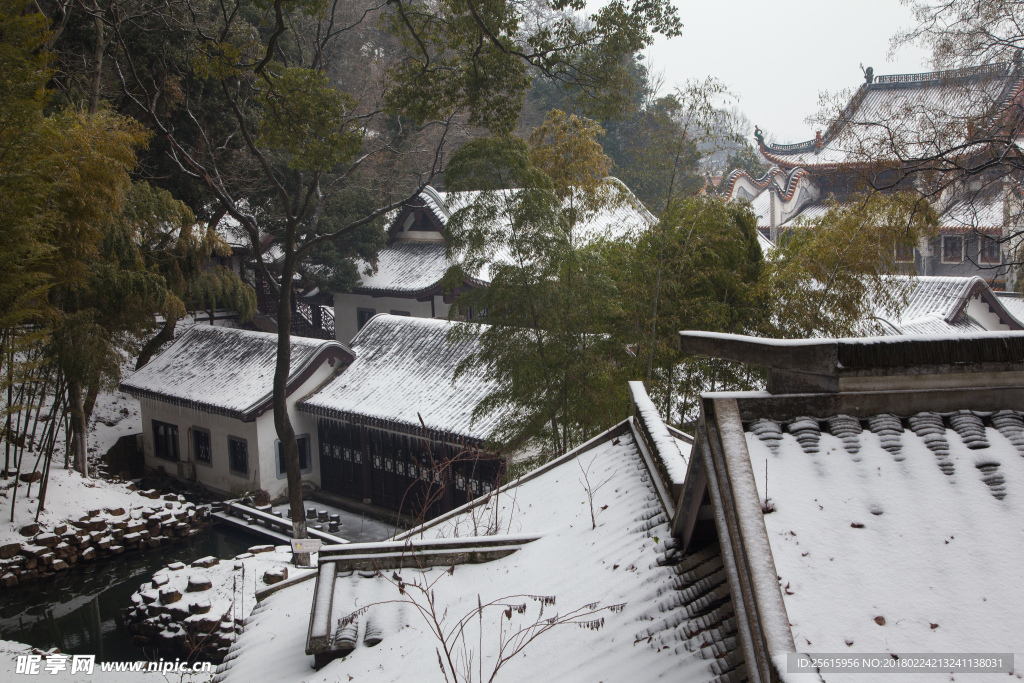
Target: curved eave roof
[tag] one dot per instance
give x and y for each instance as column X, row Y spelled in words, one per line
column 404, row 371
column 228, row 371
column 888, row 97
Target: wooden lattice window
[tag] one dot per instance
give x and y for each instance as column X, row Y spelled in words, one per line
column 202, row 449
column 165, row 440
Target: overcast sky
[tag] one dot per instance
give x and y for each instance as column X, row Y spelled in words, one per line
column 777, row 56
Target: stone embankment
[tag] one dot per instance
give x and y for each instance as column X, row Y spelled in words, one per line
column 100, row 534
column 195, row 612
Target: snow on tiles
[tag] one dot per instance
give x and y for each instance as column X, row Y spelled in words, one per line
column 638, row 623
column 916, row 549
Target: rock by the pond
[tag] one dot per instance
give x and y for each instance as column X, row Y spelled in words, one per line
column 59, row 565
column 8, row 580
column 261, row 549
column 88, row 554
column 169, row 595
column 29, row 530
column 244, row 556
column 272, row 576
column 200, row 607
column 60, row 529
column 198, row 583
column 49, row 540
column 205, row 562
column 160, row 580
column 9, row 550
column 175, row 566
column 177, row 612
column 30, row 476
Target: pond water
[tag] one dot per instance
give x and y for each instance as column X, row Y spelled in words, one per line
column 79, row 611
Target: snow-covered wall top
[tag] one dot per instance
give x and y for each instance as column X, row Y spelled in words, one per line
column 404, row 369
column 226, row 371
column 666, row 447
column 893, row 535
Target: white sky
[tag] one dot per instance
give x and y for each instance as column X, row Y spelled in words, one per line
column 777, row 56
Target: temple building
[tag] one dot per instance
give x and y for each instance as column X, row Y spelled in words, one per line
column 409, row 275
column 888, row 121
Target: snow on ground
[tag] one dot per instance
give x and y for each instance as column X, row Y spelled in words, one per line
column 881, row 551
column 573, row 562
column 68, row 495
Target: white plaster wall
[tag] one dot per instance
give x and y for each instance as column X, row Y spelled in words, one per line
column 346, row 304
column 978, row 309
column 403, row 233
column 302, row 423
column 260, row 434
column 216, row 475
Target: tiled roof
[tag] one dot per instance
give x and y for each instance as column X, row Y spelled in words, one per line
column 762, row 207
column 408, row 267
column 906, row 104
column 226, row 371
column 673, row 619
column 895, row 535
column 942, row 296
column 1013, row 304
column 934, row 324
column 811, row 212
column 937, row 305
column 403, row 370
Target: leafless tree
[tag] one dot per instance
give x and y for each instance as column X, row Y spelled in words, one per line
column 460, row 659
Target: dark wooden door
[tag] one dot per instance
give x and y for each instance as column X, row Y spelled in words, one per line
column 341, row 458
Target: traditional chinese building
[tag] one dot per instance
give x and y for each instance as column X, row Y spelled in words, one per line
column 888, row 120
column 409, row 277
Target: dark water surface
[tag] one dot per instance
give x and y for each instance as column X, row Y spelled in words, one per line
column 79, row 611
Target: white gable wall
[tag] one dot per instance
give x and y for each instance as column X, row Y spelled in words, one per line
column 980, row 311
column 346, row 306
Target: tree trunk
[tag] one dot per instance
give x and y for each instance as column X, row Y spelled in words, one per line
column 163, row 336
column 90, row 401
column 101, row 47
column 285, row 432
column 78, row 431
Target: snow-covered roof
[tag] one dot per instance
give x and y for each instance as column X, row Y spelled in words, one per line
column 411, row 268
column 407, row 267
column 673, row 618
column 893, row 535
column 227, row 371
column 1013, row 303
column 940, row 305
column 761, row 205
column 903, row 106
column 880, row 519
column 403, row 370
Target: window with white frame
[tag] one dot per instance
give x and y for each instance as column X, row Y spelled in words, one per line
column 952, row 248
column 988, row 250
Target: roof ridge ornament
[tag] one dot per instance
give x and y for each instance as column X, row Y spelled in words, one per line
column 759, row 135
column 869, row 73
